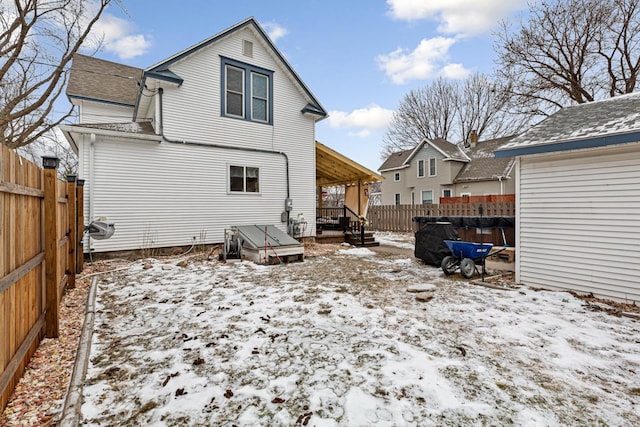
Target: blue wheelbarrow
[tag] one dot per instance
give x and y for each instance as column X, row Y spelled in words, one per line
column 465, row 256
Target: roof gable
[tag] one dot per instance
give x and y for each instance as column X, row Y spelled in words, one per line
column 402, row 159
column 161, row 69
column 594, row 124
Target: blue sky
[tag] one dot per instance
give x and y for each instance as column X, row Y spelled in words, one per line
column 358, row 57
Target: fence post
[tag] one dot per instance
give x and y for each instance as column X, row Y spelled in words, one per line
column 80, row 225
column 73, row 239
column 50, row 165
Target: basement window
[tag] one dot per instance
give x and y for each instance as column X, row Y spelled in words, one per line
column 244, row 179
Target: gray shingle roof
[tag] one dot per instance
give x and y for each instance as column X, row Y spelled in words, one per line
column 93, row 78
column 451, row 151
column 395, row 160
column 593, row 120
column 483, row 165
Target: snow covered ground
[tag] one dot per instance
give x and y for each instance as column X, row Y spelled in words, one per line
column 337, row 340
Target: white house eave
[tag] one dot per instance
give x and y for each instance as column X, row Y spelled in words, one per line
column 394, row 169
column 68, row 130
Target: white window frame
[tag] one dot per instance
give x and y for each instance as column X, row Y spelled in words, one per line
column 413, row 197
column 420, row 162
column 449, row 190
column 465, row 194
column 244, row 179
column 396, row 176
column 396, row 199
column 435, row 166
column 422, row 196
column 227, row 90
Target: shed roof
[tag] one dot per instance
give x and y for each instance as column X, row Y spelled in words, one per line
column 99, row 80
column 594, row 124
column 332, row 168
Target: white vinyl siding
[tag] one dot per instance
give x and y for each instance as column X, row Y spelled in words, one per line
column 146, row 200
column 102, row 112
column 174, row 191
column 579, row 222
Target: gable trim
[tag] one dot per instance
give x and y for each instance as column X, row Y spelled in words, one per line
column 159, row 67
column 570, row 145
column 435, row 147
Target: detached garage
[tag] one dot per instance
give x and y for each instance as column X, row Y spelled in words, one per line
column 578, row 200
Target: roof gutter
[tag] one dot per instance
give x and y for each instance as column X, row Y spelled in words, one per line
column 226, row 147
column 575, row 144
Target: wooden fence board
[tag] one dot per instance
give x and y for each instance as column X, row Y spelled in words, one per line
column 399, row 218
column 23, row 276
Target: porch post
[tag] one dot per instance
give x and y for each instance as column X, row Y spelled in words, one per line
column 359, row 197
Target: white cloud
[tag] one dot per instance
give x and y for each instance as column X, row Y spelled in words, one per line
column 275, row 30
column 116, row 36
column 372, row 117
column 426, row 61
column 454, row 71
column 461, row 17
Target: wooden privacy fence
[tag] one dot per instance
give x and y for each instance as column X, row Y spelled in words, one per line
column 39, row 257
column 399, row 217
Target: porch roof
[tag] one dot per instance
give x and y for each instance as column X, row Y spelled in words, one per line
column 332, row 169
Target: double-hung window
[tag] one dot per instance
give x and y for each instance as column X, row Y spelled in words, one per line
column 427, row 197
column 432, row 166
column 247, row 91
column 420, row 168
column 244, row 179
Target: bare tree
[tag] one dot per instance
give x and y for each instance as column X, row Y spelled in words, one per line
column 570, row 51
column 450, row 110
column 37, row 41
column 485, row 106
column 428, row 112
column 52, row 143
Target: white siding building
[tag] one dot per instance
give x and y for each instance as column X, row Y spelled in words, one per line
column 578, row 200
column 218, row 135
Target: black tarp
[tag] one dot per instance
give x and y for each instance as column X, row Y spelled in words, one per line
column 469, row 221
column 430, row 246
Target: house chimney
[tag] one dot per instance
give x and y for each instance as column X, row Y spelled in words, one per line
column 473, row 138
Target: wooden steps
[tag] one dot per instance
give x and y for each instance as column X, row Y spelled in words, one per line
column 369, row 240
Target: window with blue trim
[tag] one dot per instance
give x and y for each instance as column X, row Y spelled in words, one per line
column 247, row 91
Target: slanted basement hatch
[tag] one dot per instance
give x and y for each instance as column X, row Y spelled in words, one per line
column 263, row 244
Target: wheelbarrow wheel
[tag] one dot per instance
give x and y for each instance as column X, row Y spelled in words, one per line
column 467, row 268
column 449, row 265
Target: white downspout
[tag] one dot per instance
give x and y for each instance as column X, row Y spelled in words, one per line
column 92, row 140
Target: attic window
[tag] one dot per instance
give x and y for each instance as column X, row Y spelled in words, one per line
column 247, row 91
column 247, row 48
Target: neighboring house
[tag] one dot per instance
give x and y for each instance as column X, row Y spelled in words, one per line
column 578, row 193
column 437, row 168
column 218, row 135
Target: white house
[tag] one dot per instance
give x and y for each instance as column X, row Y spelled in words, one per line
column 218, row 135
column 578, row 200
